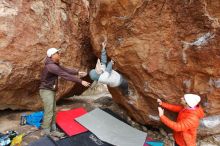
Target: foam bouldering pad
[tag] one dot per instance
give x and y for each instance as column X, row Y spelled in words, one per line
column 44, row 141
column 65, row 120
column 114, row 115
column 111, row 130
column 83, row 139
column 155, row 143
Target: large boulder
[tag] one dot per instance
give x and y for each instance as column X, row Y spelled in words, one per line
column 27, row 30
column 164, row 48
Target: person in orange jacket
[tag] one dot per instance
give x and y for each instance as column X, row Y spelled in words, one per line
column 189, row 114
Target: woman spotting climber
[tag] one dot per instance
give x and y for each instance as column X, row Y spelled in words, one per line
column 189, row 114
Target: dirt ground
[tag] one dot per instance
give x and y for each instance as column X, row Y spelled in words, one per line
column 9, row 120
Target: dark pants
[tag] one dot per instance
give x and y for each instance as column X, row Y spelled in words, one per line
column 124, row 86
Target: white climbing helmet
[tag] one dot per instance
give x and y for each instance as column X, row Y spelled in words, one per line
column 52, row 51
column 192, row 99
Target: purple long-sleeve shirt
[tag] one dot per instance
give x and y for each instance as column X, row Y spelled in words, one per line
column 51, row 72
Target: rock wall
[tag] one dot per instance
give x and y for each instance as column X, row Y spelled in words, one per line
column 27, row 30
column 164, row 48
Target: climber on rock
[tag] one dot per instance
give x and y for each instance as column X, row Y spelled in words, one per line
column 104, row 73
column 189, row 114
column 48, row 88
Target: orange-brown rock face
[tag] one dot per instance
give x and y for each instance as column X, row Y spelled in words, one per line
column 27, row 30
column 164, row 48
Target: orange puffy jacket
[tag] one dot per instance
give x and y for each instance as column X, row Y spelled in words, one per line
column 185, row 129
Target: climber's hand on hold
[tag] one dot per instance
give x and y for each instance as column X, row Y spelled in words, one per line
column 113, row 62
column 104, row 44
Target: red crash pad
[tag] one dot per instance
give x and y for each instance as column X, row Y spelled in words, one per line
column 66, row 121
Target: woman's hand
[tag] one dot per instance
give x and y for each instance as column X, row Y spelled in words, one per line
column 161, row 111
column 159, row 101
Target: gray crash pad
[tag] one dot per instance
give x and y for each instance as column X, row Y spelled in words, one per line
column 111, row 130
